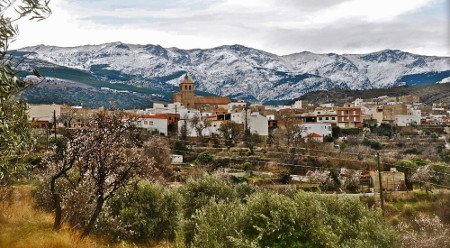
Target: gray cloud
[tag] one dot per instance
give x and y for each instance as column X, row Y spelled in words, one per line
column 354, row 37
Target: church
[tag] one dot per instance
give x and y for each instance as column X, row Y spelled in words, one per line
column 186, row 96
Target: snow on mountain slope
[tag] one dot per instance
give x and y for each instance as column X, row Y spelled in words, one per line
column 239, row 71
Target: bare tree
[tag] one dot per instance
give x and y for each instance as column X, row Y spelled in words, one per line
column 230, row 132
column 199, row 125
column 104, row 157
column 251, row 140
column 291, row 129
column 422, row 177
column 67, row 118
column 59, row 163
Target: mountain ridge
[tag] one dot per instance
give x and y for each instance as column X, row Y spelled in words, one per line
column 238, row 71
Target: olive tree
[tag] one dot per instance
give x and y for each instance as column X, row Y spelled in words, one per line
column 15, row 131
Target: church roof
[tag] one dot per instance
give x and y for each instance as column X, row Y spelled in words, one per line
column 187, row 80
column 213, row 100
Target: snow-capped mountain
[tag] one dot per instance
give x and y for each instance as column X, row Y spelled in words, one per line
column 235, row 71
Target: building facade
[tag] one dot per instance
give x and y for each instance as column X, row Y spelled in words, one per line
column 349, row 117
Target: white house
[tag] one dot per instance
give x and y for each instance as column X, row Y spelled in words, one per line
column 407, row 120
column 325, row 116
column 322, row 129
column 192, row 132
column 44, row 112
column 153, row 123
column 299, row 104
column 414, row 117
column 257, row 123
column 232, row 105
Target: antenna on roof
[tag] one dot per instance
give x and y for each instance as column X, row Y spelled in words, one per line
column 186, row 76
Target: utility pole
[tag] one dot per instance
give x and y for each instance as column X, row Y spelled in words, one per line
column 54, row 121
column 380, row 184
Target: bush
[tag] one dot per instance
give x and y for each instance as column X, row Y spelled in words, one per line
column 247, row 167
column 384, row 130
column 351, row 131
column 143, row 212
column 205, row 158
column 329, row 139
column 305, row 220
column 285, row 178
column 216, row 225
column 197, row 193
column 372, row 144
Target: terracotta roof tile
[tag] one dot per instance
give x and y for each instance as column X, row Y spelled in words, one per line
column 212, row 100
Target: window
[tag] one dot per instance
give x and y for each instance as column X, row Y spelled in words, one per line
column 333, row 118
column 327, row 118
column 145, row 122
column 189, row 87
column 150, row 123
column 320, row 118
column 185, row 87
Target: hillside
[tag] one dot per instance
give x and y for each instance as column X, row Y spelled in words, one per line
column 437, row 93
column 235, row 71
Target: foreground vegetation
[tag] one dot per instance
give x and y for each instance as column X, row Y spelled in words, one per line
column 206, row 212
column 22, row 225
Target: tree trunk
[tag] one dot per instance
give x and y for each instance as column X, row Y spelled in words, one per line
column 98, row 208
column 56, row 205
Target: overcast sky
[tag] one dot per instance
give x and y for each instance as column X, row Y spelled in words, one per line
column 277, row 26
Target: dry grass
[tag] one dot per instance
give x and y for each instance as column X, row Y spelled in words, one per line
column 21, row 225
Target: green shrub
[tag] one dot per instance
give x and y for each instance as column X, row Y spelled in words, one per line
column 141, row 213
column 198, row 193
column 384, row 130
column 205, row 158
column 217, row 225
column 351, row 131
column 372, row 144
column 247, row 166
column 306, row 220
column 285, row 178
column 243, row 190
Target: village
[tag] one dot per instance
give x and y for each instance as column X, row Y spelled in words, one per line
column 302, row 143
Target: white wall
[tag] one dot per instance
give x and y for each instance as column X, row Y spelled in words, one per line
column 257, row 123
column 323, row 129
column 191, row 132
column 43, row 112
column 407, row 120
column 153, row 124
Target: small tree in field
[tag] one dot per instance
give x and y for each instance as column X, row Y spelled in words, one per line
column 99, row 161
column 292, row 132
column 422, row 177
column 251, row 140
column 230, row 132
column 199, row 125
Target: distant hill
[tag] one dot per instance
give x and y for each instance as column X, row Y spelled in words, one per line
column 436, row 93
